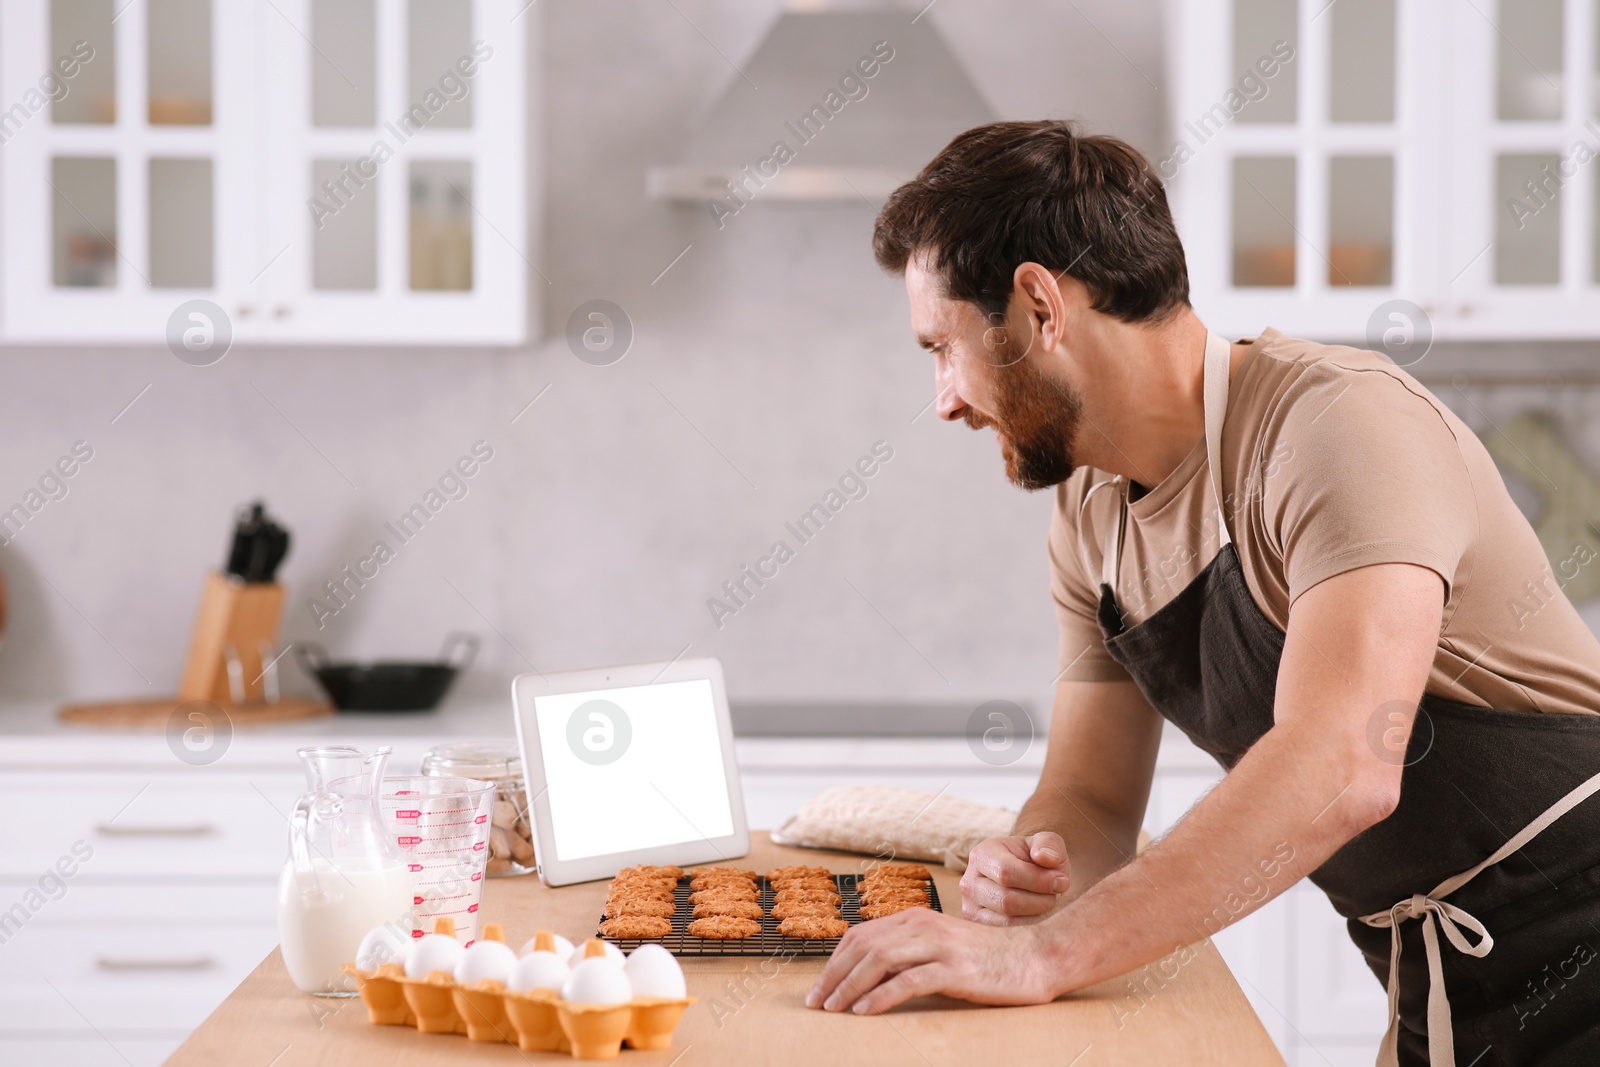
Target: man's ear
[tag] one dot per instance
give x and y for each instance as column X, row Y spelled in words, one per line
column 1039, row 295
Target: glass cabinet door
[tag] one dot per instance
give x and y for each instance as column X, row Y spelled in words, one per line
column 1372, row 151
column 1527, row 89
column 1300, row 121
column 133, row 141
column 329, row 170
column 396, row 200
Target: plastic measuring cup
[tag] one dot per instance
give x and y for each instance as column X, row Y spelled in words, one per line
column 442, row 828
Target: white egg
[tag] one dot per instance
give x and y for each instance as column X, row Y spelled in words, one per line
column 652, row 972
column 597, row 980
column 383, row 944
column 435, row 952
column 485, row 959
column 538, row 970
column 612, row 952
column 563, row 948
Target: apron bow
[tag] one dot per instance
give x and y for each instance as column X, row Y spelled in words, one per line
column 1435, row 914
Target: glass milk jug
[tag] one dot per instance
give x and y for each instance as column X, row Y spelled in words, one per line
column 344, row 874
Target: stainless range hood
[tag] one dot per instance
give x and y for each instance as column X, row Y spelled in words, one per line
column 802, row 120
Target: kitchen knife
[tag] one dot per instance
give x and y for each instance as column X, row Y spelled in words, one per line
column 259, row 545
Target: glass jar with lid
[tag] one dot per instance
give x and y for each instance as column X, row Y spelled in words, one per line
column 500, row 762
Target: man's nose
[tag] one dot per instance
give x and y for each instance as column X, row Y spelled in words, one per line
column 948, row 399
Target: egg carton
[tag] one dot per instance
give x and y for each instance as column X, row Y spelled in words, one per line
column 534, row 1020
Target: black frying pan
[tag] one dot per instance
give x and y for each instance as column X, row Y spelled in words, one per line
column 389, row 685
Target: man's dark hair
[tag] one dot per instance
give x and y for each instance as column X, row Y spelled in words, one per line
column 1010, row 193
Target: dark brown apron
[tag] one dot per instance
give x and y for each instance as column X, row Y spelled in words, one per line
column 1491, row 815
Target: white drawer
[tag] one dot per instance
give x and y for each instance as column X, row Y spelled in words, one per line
column 112, row 1050
column 155, row 976
column 193, row 903
column 176, row 825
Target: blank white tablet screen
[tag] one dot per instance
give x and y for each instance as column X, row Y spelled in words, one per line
column 633, row 768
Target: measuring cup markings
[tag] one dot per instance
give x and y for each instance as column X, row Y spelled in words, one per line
column 443, row 831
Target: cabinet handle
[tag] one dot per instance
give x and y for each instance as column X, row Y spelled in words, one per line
column 244, row 311
column 199, row 829
column 282, row 311
column 193, row 963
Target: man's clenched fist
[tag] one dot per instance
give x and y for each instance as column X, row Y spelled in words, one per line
column 1015, row 880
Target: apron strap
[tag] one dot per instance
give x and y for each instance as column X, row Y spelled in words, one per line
column 1218, row 364
column 1111, row 539
column 1432, row 909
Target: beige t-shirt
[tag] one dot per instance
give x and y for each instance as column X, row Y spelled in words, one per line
column 1333, row 459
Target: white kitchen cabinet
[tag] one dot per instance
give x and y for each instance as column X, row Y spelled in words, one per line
column 142, row 825
column 1340, row 999
column 334, row 171
column 1388, row 160
column 173, row 893
column 89, row 1052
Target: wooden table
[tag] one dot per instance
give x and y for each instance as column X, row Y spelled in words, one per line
column 751, row 1010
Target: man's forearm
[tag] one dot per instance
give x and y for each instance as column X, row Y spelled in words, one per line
column 1098, row 840
column 1284, row 809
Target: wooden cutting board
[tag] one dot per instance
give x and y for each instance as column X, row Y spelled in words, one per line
column 155, row 714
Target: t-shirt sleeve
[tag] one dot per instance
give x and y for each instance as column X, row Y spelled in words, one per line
column 1083, row 656
column 1370, row 472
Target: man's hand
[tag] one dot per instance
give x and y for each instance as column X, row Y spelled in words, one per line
column 1012, row 881
column 918, row 952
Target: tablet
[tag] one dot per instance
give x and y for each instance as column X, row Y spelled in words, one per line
column 629, row 765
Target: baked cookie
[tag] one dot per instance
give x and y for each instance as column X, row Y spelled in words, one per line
column 815, row 881
column 635, row 926
column 736, row 872
column 724, row 928
column 638, row 895
column 878, row 911
column 665, row 870
column 643, row 885
column 662, row 890
column 891, row 885
column 661, row 909
column 901, row 870
column 730, row 891
column 738, row 909
column 903, row 885
column 778, row 874
column 885, row 895
column 791, row 909
column 713, row 881
column 812, row 927
column 829, row 896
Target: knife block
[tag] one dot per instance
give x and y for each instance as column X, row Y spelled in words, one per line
column 233, row 615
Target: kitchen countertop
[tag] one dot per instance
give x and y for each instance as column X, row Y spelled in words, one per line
column 34, row 737
column 750, row 1010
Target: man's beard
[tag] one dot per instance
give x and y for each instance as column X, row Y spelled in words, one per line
column 1038, row 421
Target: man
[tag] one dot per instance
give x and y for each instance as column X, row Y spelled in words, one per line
column 1285, row 548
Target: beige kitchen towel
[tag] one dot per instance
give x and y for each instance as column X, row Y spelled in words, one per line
column 889, row 821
